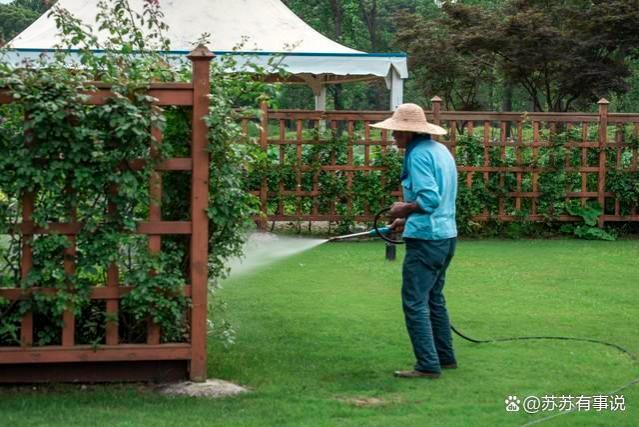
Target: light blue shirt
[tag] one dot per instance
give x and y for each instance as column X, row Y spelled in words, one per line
column 430, row 179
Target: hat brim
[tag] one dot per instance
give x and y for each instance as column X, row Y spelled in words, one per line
column 406, row 126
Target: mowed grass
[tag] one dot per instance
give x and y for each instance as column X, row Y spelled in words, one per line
column 319, row 335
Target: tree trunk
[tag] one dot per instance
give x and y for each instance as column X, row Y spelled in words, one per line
column 338, row 15
column 369, row 16
column 507, row 104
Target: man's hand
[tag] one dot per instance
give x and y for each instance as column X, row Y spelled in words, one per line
column 402, row 210
column 398, row 225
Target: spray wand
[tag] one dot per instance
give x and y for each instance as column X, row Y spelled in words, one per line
column 369, row 233
column 377, row 231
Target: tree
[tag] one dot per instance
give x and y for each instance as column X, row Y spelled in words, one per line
column 39, row 6
column 14, row 19
column 564, row 53
column 437, row 64
column 18, row 15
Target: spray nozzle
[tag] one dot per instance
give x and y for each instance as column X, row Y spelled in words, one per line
column 380, row 231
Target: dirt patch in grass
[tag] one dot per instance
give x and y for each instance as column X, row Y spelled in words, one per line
column 367, row 401
column 209, row 389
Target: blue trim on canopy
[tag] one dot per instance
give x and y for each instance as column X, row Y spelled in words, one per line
column 232, row 52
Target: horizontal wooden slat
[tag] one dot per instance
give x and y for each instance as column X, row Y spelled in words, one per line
column 70, row 229
column 293, row 193
column 152, row 86
column 344, row 168
column 97, row 293
column 154, row 227
column 165, row 227
column 165, row 97
column 531, row 194
column 123, row 352
column 614, row 118
column 178, row 94
column 328, row 115
column 511, row 218
column 368, row 218
column 95, row 372
column 621, row 218
column 522, row 194
column 167, row 94
column 523, row 169
column 321, row 142
column 514, row 144
column 477, row 116
column 320, row 217
column 459, row 116
column 175, row 164
column 529, row 144
column 5, row 97
column 481, row 116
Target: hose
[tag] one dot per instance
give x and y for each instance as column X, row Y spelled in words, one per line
column 590, row 340
column 378, row 215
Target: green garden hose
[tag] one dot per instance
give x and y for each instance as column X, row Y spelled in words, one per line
column 590, row 340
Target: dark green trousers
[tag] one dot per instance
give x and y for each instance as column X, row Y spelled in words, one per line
column 423, row 301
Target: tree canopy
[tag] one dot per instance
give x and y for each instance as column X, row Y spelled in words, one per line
column 14, row 19
column 18, row 15
column 562, row 54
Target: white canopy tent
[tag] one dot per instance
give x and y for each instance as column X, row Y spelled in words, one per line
column 264, row 28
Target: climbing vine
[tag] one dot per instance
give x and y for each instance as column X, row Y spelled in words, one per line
column 75, row 159
column 478, row 195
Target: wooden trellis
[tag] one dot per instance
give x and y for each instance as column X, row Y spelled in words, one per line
column 512, row 144
column 302, row 121
column 114, row 360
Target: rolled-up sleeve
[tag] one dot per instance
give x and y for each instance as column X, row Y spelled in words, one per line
column 424, row 184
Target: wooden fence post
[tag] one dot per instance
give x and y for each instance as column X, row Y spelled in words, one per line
column 26, row 253
column 26, row 264
column 603, row 139
column 153, row 335
column 437, row 108
column 262, row 223
column 201, row 58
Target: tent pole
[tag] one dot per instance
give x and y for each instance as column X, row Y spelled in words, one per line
column 320, row 99
column 320, row 105
column 397, row 90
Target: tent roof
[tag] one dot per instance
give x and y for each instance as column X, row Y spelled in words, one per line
column 265, row 27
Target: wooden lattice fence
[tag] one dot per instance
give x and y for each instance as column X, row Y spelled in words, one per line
column 506, row 152
column 115, row 360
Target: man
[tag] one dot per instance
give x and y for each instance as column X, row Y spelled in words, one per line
column 427, row 219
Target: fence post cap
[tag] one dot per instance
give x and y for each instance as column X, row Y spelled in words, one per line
column 436, row 99
column 201, row 52
column 603, row 101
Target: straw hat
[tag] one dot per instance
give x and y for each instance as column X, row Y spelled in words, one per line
column 410, row 118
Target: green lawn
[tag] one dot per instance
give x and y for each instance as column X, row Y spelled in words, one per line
column 321, row 329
